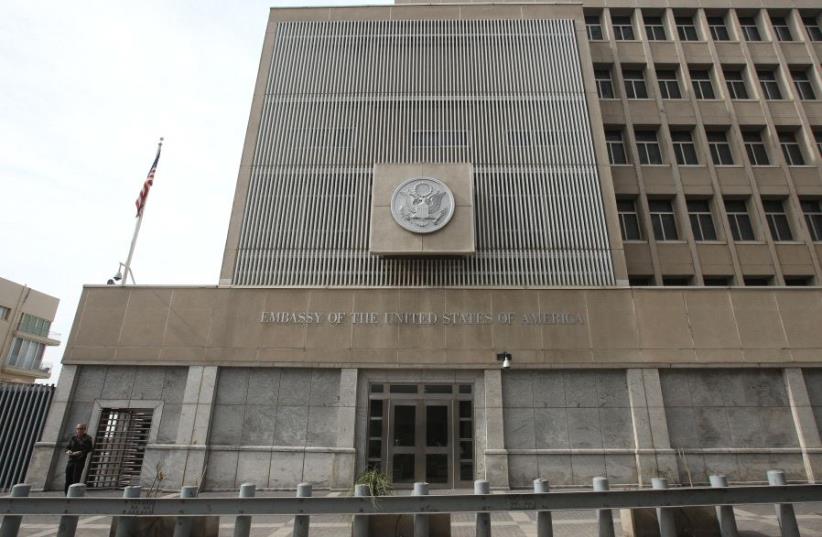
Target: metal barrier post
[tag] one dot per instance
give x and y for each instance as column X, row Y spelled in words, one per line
column 360, row 525
column 127, row 525
column 667, row 526
column 421, row 522
column 11, row 524
column 301, row 521
column 68, row 523
column 545, row 527
column 483, row 519
column 724, row 513
column 784, row 511
column 182, row 528
column 242, row 524
column 605, row 519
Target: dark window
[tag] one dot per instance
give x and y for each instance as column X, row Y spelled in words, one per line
column 640, row 281
column 668, row 84
column 119, row 447
column 648, row 147
column 686, row 29
column 616, row 147
column 719, row 31
column 749, row 29
column 770, row 86
column 605, row 85
column 634, row 84
column 813, row 218
column 684, row 148
column 629, row 220
column 739, row 220
column 781, row 29
column 676, row 281
column 701, row 81
column 717, row 281
column 813, row 29
column 654, row 28
column 594, row 27
column 757, row 281
column 702, row 222
column 662, row 218
column 755, row 148
column 623, row 29
column 720, row 148
column 736, row 84
column 818, row 136
column 804, row 86
column 791, row 149
column 798, row 281
column 777, row 220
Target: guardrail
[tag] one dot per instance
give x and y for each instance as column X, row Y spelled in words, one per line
column 482, row 502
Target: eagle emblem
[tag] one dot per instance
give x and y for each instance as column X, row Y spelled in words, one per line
column 422, row 204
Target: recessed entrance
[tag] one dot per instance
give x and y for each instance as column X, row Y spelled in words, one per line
column 422, row 432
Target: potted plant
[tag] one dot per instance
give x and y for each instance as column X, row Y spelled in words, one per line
column 393, row 525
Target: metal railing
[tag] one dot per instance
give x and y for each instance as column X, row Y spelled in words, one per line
column 23, row 411
column 130, row 507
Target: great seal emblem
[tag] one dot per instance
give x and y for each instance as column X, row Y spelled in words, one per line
column 422, row 204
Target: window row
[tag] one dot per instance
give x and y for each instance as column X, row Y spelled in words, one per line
column 772, row 82
column 720, row 26
column 701, row 218
column 711, row 281
column 25, row 354
column 32, row 324
column 719, row 147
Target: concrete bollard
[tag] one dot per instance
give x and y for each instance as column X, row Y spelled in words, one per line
column 242, row 524
column 545, row 526
column 301, row 522
column 127, row 525
column 182, row 527
column 11, row 524
column 724, row 513
column 483, row 519
column 784, row 511
column 667, row 526
column 605, row 519
column 359, row 527
column 68, row 523
column 421, row 522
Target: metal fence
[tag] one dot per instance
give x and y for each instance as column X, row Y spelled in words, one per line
column 23, row 410
column 128, row 509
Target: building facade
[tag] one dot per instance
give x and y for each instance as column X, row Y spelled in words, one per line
column 25, row 319
column 625, row 199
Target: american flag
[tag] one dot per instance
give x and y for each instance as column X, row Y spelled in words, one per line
column 141, row 199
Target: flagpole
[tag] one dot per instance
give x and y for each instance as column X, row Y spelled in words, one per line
column 127, row 266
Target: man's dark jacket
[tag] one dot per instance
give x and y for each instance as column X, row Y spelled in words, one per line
column 83, row 445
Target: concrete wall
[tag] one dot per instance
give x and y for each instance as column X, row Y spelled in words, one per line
column 732, row 421
column 568, row 426
column 97, row 387
column 276, row 427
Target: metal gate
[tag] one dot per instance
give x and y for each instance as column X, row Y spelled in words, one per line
column 23, row 410
column 119, row 446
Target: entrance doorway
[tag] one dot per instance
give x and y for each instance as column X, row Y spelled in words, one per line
column 422, row 432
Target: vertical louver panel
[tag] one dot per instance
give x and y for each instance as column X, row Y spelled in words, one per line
column 504, row 95
column 23, row 411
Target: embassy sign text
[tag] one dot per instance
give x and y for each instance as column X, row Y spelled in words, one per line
column 423, row 318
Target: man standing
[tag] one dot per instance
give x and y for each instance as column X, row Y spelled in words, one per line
column 77, row 450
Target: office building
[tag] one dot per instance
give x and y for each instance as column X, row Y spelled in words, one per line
column 625, row 200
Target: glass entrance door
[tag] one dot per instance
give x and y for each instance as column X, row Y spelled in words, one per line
column 421, row 442
column 421, row 432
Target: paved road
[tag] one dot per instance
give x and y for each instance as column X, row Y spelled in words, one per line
column 758, row 520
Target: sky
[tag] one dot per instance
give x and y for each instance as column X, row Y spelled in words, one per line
column 87, row 90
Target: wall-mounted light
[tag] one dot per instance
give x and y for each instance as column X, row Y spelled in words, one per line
column 505, row 358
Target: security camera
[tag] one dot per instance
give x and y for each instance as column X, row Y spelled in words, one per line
column 505, row 358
